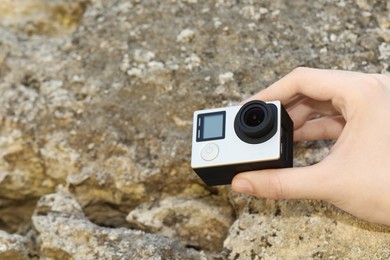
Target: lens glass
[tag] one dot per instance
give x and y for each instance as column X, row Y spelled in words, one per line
column 254, row 116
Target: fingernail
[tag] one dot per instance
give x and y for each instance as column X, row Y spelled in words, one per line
column 242, row 185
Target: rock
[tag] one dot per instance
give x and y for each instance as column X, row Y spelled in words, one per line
column 225, row 77
column 97, row 97
column 42, row 17
column 13, row 246
column 143, row 56
column 302, row 229
column 384, row 50
column 174, row 217
column 186, row 35
column 63, row 232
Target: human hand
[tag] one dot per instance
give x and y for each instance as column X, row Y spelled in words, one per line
column 355, row 110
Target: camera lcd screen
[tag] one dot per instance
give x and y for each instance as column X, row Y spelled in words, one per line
column 211, row 126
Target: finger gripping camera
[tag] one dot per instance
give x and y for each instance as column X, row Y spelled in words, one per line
column 229, row 140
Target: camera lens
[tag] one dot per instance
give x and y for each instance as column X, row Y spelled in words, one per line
column 255, row 122
column 254, row 116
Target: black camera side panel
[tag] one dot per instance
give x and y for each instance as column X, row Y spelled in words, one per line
column 223, row 175
column 287, row 137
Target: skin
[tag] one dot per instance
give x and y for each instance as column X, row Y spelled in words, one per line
column 354, row 108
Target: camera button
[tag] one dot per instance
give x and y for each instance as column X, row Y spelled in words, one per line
column 209, row 152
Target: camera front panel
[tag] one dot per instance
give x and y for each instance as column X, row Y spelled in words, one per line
column 215, row 141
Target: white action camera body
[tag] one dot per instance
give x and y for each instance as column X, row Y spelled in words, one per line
column 229, row 140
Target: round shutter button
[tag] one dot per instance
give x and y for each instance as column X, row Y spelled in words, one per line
column 209, row 152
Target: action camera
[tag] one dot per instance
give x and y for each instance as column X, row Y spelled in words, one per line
column 230, row 140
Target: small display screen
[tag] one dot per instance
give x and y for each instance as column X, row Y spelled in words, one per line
column 211, row 126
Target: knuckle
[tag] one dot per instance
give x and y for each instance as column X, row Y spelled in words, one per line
column 275, row 188
column 371, row 85
column 300, row 71
column 373, row 82
column 368, row 86
column 385, row 79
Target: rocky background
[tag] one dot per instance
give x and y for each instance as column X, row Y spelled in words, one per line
column 96, row 102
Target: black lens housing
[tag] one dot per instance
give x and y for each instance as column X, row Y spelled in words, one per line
column 256, row 122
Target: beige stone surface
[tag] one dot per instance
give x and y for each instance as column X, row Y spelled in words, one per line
column 42, row 17
column 172, row 217
column 13, row 246
column 303, row 230
column 63, row 232
column 96, row 103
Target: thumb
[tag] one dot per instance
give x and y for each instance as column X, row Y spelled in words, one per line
column 288, row 183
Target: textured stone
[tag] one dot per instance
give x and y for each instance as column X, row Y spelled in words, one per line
column 63, row 232
column 42, row 17
column 172, row 217
column 13, row 246
column 303, row 229
column 97, row 96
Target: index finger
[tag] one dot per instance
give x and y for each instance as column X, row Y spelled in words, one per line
column 318, row 84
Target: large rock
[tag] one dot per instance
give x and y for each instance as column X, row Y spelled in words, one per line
column 63, row 232
column 303, row 229
column 174, row 217
column 97, row 96
column 13, row 246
